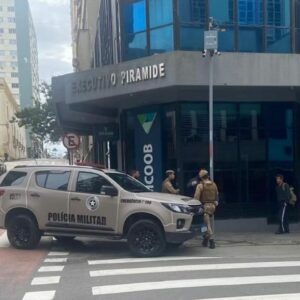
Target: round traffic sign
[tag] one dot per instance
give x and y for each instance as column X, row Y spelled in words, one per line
column 71, row 141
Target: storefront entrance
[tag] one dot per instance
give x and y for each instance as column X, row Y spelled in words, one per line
column 253, row 142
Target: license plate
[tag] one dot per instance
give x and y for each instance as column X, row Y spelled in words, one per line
column 203, row 229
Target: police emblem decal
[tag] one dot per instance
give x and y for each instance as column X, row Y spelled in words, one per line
column 92, row 203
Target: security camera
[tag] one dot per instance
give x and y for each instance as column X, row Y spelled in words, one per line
column 204, row 52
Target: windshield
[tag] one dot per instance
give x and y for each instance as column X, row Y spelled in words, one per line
column 128, row 183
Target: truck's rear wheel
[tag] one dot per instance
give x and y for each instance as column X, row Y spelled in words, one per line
column 146, row 239
column 23, row 233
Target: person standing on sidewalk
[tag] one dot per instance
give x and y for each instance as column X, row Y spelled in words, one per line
column 207, row 193
column 167, row 186
column 135, row 174
column 283, row 197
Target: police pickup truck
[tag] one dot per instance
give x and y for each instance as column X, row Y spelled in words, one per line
column 70, row 201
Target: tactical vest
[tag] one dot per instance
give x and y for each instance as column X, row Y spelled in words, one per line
column 209, row 192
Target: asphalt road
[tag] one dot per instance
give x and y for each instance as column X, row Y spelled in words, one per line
column 89, row 269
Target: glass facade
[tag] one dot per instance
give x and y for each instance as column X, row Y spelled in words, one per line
column 148, row 27
column 156, row 26
column 252, row 144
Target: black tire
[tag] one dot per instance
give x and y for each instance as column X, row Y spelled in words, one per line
column 23, row 232
column 64, row 239
column 146, row 239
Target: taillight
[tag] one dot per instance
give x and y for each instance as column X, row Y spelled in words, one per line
column 2, row 192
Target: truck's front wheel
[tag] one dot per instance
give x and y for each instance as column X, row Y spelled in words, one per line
column 146, row 239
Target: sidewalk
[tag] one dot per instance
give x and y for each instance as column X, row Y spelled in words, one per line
column 232, row 239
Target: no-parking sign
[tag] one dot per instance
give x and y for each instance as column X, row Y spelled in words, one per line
column 71, row 141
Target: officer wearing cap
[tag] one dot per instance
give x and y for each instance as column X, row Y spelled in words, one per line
column 167, row 186
column 207, row 193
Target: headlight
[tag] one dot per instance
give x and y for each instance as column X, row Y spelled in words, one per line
column 178, row 208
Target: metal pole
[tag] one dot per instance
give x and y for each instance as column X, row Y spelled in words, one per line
column 70, row 157
column 108, row 155
column 211, row 116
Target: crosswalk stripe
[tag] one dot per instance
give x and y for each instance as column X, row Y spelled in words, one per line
column 58, row 253
column 185, row 268
column 45, row 295
column 51, row 269
column 55, row 260
column 193, row 283
column 262, row 297
column 139, row 260
column 45, row 280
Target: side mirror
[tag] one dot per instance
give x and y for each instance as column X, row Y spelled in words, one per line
column 109, row 191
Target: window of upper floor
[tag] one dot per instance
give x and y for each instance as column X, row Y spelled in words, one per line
column 156, row 26
column 148, row 27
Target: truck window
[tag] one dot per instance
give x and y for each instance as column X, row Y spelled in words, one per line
column 90, row 183
column 53, row 180
column 13, row 178
column 127, row 183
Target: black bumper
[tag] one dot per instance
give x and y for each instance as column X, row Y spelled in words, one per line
column 181, row 237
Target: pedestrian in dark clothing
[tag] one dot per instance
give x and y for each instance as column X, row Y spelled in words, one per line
column 283, row 196
column 192, row 185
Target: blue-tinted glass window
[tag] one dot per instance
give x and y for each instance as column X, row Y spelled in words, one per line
column 192, row 38
column 250, row 12
column 281, row 134
column 297, row 13
column 135, row 46
column 297, row 40
column 225, row 132
column 226, row 40
column 251, row 39
column 221, row 11
column 160, row 12
column 161, row 40
column 278, row 13
column 253, row 142
column 252, row 117
column 192, row 11
column 278, row 40
column 194, row 132
column 134, row 16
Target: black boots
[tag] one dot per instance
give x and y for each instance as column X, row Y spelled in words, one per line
column 208, row 243
column 212, row 244
column 205, row 242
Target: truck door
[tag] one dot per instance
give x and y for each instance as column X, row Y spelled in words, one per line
column 47, row 197
column 93, row 203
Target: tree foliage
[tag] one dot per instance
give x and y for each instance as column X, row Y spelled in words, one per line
column 41, row 119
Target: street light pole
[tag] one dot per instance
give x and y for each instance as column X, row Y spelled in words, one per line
column 211, row 117
column 211, row 47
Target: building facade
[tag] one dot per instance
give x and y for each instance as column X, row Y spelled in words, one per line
column 28, row 68
column 84, row 14
column 149, row 79
column 9, row 68
column 12, row 137
column 19, row 56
